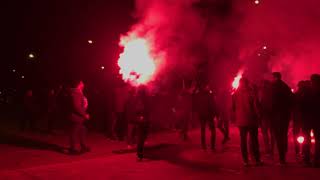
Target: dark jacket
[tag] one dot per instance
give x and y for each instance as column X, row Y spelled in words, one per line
column 203, row 103
column 282, row 104
column 137, row 109
column 78, row 106
column 281, row 97
column 244, row 105
column 303, row 106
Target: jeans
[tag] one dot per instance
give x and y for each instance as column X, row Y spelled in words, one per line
column 204, row 119
column 253, row 132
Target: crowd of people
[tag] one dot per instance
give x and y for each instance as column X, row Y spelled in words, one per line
column 270, row 105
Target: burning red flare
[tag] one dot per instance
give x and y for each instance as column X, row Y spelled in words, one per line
column 236, row 81
column 136, row 63
column 300, row 139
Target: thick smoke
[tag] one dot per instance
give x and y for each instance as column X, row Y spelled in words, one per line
column 220, row 37
column 290, row 31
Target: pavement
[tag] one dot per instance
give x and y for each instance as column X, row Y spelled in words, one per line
column 41, row 156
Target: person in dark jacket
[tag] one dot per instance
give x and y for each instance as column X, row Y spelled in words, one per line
column 223, row 104
column 315, row 121
column 265, row 115
column 31, row 111
column 77, row 117
column 302, row 114
column 182, row 111
column 282, row 100
column 246, row 117
column 138, row 109
column 205, row 108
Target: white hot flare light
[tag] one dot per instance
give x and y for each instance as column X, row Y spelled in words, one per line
column 136, row 63
column 236, row 81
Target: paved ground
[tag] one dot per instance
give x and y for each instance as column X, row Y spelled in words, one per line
column 39, row 156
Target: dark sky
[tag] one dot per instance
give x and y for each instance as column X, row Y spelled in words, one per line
column 57, row 31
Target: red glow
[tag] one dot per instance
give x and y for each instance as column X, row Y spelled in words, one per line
column 312, row 134
column 136, row 63
column 313, row 141
column 300, row 139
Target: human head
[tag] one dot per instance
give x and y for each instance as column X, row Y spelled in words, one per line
column 315, row 80
column 276, row 76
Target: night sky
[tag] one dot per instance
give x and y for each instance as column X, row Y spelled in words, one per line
column 57, row 33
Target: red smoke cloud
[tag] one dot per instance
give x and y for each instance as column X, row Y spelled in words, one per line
column 228, row 34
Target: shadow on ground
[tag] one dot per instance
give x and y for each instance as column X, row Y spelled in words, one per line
column 26, row 142
column 172, row 154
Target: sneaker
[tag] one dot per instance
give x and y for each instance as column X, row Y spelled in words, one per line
column 259, row 163
column 307, row 164
column 246, row 164
column 85, row 149
column 140, row 157
column 204, row 147
column 282, row 163
column 225, row 140
column 73, row 151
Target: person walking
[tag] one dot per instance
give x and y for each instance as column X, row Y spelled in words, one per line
column 246, row 118
column 282, row 101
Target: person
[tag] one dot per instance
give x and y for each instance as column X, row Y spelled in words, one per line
column 31, row 111
column 182, row 113
column 314, row 122
column 206, row 111
column 301, row 114
column 223, row 114
column 119, row 125
column 51, row 110
column 282, row 100
column 77, row 117
column 138, row 116
column 265, row 115
column 244, row 106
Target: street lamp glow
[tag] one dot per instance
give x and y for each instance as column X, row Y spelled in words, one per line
column 257, row 2
column 22, row 77
column 264, row 47
column 31, row 56
column 13, row 70
column 102, row 67
column 90, row 41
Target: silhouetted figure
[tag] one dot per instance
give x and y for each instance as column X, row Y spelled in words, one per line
column 224, row 108
column 63, row 106
column 77, row 117
column 206, row 111
column 51, row 110
column 246, row 118
column 282, row 100
column 119, row 124
column 302, row 114
column 314, row 122
column 183, row 112
column 138, row 109
column 30, row 111
column 265, row 109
